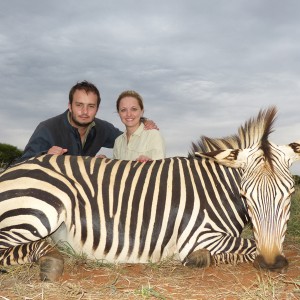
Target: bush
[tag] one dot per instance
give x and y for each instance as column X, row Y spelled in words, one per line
column 8, row 154
column 294, row 222
column 297, row 179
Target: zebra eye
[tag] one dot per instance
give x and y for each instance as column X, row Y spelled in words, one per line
column 243, row 193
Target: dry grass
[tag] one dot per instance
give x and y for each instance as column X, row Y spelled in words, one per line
column 87, row 279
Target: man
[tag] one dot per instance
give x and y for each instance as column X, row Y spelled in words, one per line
column 77, row 131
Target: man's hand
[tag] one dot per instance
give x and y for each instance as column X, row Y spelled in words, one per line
column 149, row 124
column 57, row 150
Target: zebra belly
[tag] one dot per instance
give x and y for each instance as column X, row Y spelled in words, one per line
column 118, row 253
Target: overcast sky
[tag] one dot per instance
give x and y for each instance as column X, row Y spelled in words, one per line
column 202, row 67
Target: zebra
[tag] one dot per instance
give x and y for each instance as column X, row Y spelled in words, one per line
column 193, row 208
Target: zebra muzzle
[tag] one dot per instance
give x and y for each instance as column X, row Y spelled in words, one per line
column 280, row 264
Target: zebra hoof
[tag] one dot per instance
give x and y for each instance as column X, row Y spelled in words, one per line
column 51, row 266
column 200, row 258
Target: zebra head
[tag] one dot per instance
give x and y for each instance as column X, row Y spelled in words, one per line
column 266, row 183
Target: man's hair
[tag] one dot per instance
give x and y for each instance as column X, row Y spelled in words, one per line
column 88, row 87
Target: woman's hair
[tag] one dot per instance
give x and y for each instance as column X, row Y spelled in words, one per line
column 133, row 94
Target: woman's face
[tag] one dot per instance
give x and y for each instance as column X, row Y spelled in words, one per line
column 130, row 112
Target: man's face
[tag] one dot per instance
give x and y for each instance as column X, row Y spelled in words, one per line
column 83, row 109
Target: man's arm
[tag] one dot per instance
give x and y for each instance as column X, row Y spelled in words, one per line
column 39, row 143
column 112, row 133
column 149, row 124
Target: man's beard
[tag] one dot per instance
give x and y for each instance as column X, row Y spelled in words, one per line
column 79, row 124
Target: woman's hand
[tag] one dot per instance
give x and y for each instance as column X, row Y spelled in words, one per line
column 143, row 158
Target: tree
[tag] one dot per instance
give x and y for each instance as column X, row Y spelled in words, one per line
column 8, row 154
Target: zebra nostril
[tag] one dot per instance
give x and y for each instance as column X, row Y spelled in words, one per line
column 279, row 265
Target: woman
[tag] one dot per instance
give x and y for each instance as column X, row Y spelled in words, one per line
column 136, row 143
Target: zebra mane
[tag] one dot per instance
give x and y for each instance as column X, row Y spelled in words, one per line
column 255, row 130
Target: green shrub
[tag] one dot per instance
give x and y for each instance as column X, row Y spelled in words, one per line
column 294, row 222
column 8, row 154
column 297, row 179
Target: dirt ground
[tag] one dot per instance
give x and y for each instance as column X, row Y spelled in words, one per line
column 85, row 279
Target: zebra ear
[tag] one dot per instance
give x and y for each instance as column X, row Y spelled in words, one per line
column 291, row 151
column 233, row 158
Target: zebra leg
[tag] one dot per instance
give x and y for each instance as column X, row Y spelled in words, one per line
column 233, row 258
column 239, row 250
column 227, row 249
column 50, row 260
column 200, row 258
column 51, row 265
